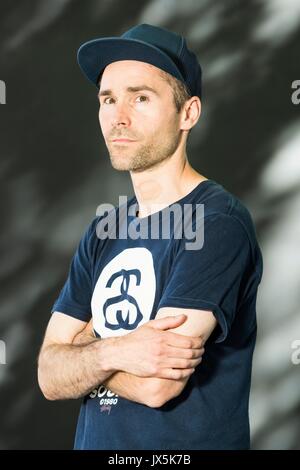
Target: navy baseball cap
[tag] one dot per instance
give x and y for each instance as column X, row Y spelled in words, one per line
column 145, row 43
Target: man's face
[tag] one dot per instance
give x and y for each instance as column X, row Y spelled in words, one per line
column 137, row 104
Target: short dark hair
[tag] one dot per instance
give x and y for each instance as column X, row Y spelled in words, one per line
column 180, row 91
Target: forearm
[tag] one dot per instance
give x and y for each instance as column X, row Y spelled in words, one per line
column 71, row 371
column 139, row 389
column 150, row 391
column 129, row 386
column 126, row 385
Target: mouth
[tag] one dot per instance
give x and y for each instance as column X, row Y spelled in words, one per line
column 123, row 140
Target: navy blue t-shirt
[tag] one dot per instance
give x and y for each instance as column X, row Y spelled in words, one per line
column 122, row 282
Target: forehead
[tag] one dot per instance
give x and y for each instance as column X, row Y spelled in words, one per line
column 120, row 72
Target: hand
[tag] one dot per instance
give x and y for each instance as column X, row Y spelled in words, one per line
column 151, row 351
column 86, row 335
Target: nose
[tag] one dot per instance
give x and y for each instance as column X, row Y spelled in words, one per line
column 121, row 116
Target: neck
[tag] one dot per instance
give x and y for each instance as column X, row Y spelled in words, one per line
column 158, row 187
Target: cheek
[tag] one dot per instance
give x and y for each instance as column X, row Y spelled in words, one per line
column 159, row 119
column 104, row 122
column 151, row 123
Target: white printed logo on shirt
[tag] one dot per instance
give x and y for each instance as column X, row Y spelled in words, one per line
column 124, row 294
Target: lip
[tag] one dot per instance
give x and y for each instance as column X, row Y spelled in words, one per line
column 123, row 140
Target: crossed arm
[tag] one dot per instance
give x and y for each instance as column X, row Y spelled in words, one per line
column 156, row 391
column 150, row 365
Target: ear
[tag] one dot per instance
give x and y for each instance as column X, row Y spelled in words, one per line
column 190, row 113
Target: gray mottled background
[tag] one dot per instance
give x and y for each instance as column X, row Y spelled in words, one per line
column 55, row 171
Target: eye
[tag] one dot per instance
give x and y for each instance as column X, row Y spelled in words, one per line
column 142, row 98
column 107, row 98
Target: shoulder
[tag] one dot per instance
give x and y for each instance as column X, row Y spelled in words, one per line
column 223, row 206
column 227, row 214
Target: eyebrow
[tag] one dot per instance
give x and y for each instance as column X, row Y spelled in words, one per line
column 130, row 89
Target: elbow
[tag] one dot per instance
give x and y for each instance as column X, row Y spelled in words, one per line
column 48, row 395
column 45, row 388
column 44, row 385
column 156, row 402
column 159, row 400
column 161, row 394
column 49, row 390
column 46, row 392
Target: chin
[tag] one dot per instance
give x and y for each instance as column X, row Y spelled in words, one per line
column 120, row 168
column 120, row 165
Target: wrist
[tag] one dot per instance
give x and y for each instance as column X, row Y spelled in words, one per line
column 107, row 352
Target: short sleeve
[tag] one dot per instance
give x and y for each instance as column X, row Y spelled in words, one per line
column 75, row 297
column 211, row 277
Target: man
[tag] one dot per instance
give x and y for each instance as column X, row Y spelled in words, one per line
column 155, row 301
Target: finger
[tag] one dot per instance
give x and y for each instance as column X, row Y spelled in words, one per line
column 85, row 335
column 167, row 322
column 178, row 363
column 197, row 342
column 176, row 374
column 182, row 341
column 184, row 353
column 89, row 327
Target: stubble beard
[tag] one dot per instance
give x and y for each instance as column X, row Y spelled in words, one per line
column 146, row 157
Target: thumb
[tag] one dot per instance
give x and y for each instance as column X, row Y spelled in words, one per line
column 167, row 323
column 89, row 327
